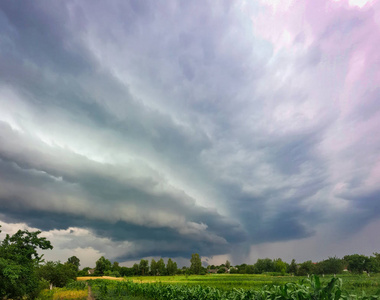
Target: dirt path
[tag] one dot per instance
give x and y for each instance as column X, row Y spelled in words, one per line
column 90, row 296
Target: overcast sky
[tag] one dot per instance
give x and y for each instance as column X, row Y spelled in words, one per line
column 233, row 129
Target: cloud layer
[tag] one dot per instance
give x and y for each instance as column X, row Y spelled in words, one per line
column 179, row 127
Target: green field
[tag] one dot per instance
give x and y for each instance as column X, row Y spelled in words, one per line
column 228, row 286
column 351, row 283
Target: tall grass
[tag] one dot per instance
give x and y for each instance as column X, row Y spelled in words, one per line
column 74, row 290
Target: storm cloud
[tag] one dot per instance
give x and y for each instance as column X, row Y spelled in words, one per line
column 168, row 128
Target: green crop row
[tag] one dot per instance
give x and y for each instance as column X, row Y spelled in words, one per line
column 310, row 289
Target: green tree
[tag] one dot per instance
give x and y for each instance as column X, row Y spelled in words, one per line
column 136, row 269
column 196, row 263
column 18, row 263
column 102, row 265
column 228, row 264
column 280, row 266
column 144, row 267
column 57, row 274
column 249, row 269
column 374, row 263
column 293, row 267
column 357, row 263
column 264, row 265
column 124, row 271
column 171, row 267
column 153, row 267
column 332, row 265
column 306, row 268
column 161, row 267
column 74, row 261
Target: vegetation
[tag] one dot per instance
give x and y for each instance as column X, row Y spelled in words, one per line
column 58, row 274
column 74, row 261
column 18, row 261
column 23, row 275
column 74, row 290
column 311, row 288
column 196, row 264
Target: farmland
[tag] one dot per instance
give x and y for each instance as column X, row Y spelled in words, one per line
column 352, row 283
column 228, row 286
column 221, row 286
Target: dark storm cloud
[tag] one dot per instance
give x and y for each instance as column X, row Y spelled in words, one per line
column 180, row 127
column 94, row 186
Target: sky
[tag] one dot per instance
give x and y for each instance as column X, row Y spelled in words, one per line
column 234, row 129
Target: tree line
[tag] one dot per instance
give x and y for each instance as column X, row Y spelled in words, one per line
column 355, row 263
column 155, row 268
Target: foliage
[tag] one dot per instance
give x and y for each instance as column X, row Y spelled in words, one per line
column 280, row 266
column 18, row 261
column 144, row 267
column 332, row 265
column 136, row 270
column 196, row 263
column 124, row 271
column 357, row 263
column 171, row 267
column 161, row 267
column 153, row 267
column 264, row 265
column 309, row 289
column 293, row 267
column 74, row 261
column 57, row 274
column 228, row 264
column 102, row 265
column 306, row 268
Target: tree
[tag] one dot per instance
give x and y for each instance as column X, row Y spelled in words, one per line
column 332, row 265
column 102, row 265
column 264, row 265
column 171, row 267
column 375, row 263
column 57, row 274
column 18, row 261
column 144, row 267
column 124, row 271
column 74, row 261
column 293, row 267
column 280, row 266
column 196, row 263
column 228, row 264
column 161, row 267
column 306, row 268
column 249, row 269
column 153, row 267
column 136, row 269
column 115, row 267
column 357, row 263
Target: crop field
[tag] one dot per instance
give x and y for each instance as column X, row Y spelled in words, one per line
column 352, row 283
column 220, row 286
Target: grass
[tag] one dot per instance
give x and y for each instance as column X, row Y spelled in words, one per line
column 63, row 293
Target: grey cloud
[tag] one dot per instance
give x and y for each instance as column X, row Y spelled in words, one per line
column 97, row 185
column 168, row 106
